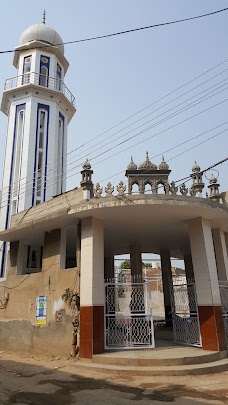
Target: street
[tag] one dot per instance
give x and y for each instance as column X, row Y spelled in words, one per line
column 35, row 380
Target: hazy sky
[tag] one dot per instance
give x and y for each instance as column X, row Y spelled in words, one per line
column 116, row 77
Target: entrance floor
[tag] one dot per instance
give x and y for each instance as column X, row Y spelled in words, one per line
column 166, row 353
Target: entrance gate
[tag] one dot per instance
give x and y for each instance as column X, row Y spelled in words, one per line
column 128, row 314
column 186, row 328
column 223, row 286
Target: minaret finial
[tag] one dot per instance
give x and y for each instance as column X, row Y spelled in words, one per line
column 44, row 17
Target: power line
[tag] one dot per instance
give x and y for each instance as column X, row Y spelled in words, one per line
column 155, row 102
column 176, row 181
column 55, row 178
column 197, row 136
column 125, row 31
column 192, row 104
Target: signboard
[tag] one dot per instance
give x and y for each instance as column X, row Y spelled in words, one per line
column 41, row 310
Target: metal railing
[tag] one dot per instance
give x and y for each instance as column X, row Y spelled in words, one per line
column 39, row 80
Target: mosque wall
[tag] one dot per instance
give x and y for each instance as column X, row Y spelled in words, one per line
column 19, row 330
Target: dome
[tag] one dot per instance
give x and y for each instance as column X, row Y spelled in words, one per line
column 42, row 33
column 132, row 165
column 86, row 165
column 148, row 164
column 213, row 179
column 196, row 167
column 163, row 165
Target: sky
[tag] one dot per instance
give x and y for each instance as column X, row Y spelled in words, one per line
column 115, row 78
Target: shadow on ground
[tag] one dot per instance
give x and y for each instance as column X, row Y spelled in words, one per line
column 32, row 384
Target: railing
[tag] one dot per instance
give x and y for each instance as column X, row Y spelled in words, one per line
column 40, row 80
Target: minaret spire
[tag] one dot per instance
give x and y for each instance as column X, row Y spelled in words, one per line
column 44, row 17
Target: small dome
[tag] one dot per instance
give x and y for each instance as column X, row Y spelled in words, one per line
column 213, row 179
column 196, row 167
column 132, row 165
column 42, row 33
column 86, row 165
column 163, row 165
column 148, row 164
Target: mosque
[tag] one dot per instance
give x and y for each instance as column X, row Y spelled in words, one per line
column 58, row 245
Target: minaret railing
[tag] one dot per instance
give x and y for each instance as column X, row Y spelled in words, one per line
column 39, row 80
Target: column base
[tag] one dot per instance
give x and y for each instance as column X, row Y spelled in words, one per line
column 91, row 331
column 212, row 328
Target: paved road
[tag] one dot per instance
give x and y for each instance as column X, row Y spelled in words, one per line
column 29, row 382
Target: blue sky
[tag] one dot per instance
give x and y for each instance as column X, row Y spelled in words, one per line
column 116, row 77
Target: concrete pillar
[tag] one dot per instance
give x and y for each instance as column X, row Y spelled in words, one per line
column 188, row 267
column 92, row 288
column 226, row 240
column 220, row 254
column 109, row 267
column 166, row 280
column 136, row 260
column 207, row 287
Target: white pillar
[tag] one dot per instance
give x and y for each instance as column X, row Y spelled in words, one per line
column 92, row 288
column 207, row 287
column 220, row 254
column 166, row 280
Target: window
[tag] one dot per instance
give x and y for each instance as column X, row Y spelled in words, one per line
column 44, row 76
column 34, row 258
column 26, row 70
column 71, row 238
column 19, row 129
column 44, row 70
column 58, row 77
column 40, row 155
column 60, row 155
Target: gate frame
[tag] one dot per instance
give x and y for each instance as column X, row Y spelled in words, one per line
column 191, row 314
column 134, row 281
column 224, row 305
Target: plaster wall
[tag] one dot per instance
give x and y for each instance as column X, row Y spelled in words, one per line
column 18, row 329
column 204, row 263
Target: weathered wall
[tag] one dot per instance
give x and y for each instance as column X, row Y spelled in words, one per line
column 18, row 329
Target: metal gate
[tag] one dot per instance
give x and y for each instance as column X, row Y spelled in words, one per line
column 186, row 328
column 223, row 286
column 128, row 314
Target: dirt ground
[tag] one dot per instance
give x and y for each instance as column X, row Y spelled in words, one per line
column 40, row 380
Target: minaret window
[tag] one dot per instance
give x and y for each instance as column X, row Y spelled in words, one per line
column 44, row 71
column 60, row 153
column 18, row 158
column 40, row 156
column 59, row 77
column 26, row 69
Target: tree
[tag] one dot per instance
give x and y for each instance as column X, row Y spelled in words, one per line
column 126, row 264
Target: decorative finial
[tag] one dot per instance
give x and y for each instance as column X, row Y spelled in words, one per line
column 147, row 155
column 44, row 17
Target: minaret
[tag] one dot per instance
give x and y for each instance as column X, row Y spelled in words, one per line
column 214, row 189
column 197, row 181
column 39, row 108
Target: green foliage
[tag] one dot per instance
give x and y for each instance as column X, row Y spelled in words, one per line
column 126, row 264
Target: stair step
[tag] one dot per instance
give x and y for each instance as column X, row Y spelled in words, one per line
column 193, row 369
column 130, row 360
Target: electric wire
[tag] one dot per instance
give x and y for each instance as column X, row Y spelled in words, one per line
column 145, row 171
column 125, row 31
column 77, row 148
column 123, row 150
column 193, row 104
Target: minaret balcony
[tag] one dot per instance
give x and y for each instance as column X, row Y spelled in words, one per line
column 40, row 80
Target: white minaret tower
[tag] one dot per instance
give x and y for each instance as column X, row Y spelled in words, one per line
column 39, row 107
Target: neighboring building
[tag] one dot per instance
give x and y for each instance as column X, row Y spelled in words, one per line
column 64, row 243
